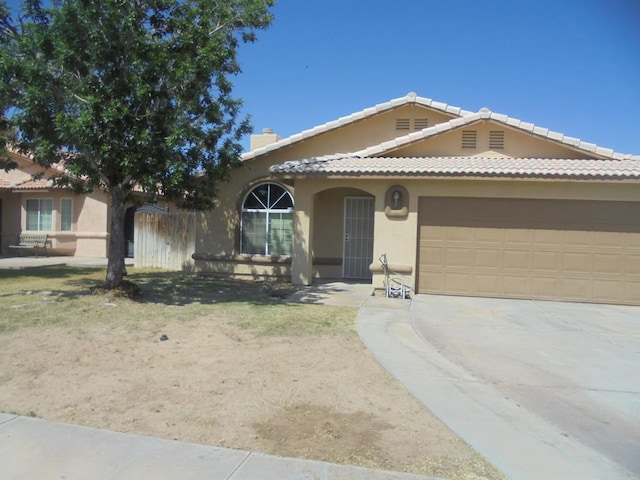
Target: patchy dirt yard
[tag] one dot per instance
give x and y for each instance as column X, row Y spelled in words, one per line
column 217, row 381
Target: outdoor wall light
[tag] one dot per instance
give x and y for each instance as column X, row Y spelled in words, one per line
column 396, row 202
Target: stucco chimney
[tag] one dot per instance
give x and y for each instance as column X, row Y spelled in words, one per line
column 265, row 138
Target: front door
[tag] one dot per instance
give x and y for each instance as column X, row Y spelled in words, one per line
column 358, row 237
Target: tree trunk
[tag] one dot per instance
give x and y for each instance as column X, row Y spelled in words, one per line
column 115, row 266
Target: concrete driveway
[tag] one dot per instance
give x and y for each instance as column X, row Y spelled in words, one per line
column 542, row 389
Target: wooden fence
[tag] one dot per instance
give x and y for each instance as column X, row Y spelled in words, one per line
column 164, row 241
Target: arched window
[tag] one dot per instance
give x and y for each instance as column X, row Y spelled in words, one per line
column 267, row 221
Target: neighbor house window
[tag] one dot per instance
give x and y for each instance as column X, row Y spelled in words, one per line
column 39, row 214
column 66, row 214
column 267, row 221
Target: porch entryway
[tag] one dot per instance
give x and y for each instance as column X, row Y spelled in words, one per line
column 358, row 237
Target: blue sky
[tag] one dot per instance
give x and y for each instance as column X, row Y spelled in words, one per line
column 572, row 66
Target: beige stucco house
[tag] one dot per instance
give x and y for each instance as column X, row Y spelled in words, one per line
column 461, row 203
column 74, row 224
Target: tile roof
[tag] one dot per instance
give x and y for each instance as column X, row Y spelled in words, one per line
column 31, row 184
column 27, row 165
column 368, row 112
column 486, row 114
column 354, row 165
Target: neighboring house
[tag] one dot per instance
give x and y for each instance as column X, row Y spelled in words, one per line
column 75, row 224
column 462, row 203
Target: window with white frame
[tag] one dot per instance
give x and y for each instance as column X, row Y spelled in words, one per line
column 267, row 221
column 66, row 214
column 39, row 214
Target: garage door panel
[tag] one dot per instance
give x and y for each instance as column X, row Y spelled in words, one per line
column 632, row 264
column 459, row 257
column 605, row 290
column 576, row 288
column 457, row 234
column 519, row 236
column 487, row 284
column 546, row 249
column 545, row 261
column 517, row 259
column 437, row 234
column 458, row 283
column 632, row 289
column 545, row 288
column 434, row 281
column 606, row 263
column 576, row 239
column 517, row 286
column 577, row 262
column 489, row 235
column 434, row 256
column 488, row 258
column 546, row 237
column 609, row 239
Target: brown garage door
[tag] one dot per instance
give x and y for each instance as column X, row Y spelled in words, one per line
column 544, row 249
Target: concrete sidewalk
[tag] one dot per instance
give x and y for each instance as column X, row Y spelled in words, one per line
column 520, row 443
column 31, row 448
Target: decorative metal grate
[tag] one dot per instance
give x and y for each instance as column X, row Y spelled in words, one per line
column 403, row 124
column 420, row 123
column 496, row 140
column 469, row 139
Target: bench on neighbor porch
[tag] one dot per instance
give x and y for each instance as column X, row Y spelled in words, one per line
column 32, row 240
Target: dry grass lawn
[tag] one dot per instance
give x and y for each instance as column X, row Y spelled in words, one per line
column 239, row 368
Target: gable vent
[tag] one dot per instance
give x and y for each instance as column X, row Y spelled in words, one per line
column 496, row 140
column 469, row 139
column 420, row 123
column 403, row 124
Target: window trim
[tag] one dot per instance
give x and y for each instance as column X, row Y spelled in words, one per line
column 39, row 214
column 267, row 211
column 62, row 201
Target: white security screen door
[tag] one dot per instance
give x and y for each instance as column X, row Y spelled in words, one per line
column 358, row 237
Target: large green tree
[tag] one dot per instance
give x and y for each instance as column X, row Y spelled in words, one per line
column 131, row 96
